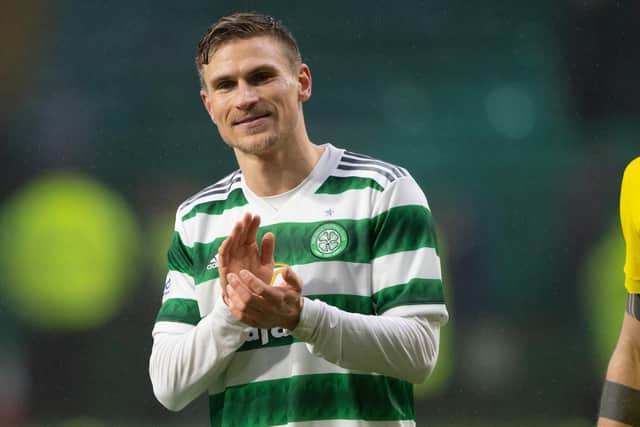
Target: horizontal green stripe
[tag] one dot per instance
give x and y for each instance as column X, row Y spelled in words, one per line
column 351, row 303
column 216, row 207
column 340, row 184
column 179, row 310
column 313, row 397
column 179, row 256
column 416, row 291
column 403, row 228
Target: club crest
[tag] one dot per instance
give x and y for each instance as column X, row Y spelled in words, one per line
column 329, row 240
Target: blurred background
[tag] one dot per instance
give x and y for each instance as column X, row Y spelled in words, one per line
column 517, row 118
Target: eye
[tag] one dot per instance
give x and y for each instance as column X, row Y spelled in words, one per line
column 224, row 85
column 261, row 77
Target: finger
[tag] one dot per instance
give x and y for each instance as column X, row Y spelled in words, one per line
column 247, row 221
column 223, row 250
column 236, row 283
column 240, row 294
column 225, row 296
column 252, row 230
column 235, row 237
column 242, row 300
column 249, row 288
column 257, row 286
column 243, row 228
column 292, row 279
column 240, row 310
column 267, row 248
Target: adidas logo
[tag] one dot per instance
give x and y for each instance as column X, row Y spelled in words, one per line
column 213, row 263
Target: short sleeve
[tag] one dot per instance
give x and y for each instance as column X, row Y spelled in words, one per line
column 407, row 278
column 179, row 310
column 630, row 221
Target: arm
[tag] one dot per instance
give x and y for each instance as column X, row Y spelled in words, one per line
column 189, row 352
column 401, row 347
column 186, row 361
column 624, row 366
column 620, row 404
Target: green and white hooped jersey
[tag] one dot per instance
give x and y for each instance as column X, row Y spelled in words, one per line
column 359, row 233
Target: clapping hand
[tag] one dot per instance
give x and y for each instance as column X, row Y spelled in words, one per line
column 240, row 252
column 260, row 305
column 245, row 277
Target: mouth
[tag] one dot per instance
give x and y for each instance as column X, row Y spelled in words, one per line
column 251, row 119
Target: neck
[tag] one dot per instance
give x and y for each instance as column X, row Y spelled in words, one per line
column 277, row 172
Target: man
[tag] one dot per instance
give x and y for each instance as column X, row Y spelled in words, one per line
column 620, row 404
column 305, row 287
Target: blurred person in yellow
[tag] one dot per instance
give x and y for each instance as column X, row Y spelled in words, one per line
column 620, row 403
column 336, row 331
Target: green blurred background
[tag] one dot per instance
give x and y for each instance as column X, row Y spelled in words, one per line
column 517, row 118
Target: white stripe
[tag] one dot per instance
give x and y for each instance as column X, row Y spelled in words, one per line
column 337, row 277
column 208, row 293
column 353, row 423
column 272, row 363
column 400, row 267
column 181, row 286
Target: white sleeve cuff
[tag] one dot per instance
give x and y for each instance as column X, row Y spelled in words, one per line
column 311, row 311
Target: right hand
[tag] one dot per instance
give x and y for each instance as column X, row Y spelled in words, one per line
column 258, row 304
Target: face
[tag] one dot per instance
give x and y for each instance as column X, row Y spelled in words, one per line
column 254, row 94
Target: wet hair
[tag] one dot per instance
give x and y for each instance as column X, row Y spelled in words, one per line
column 244, row 26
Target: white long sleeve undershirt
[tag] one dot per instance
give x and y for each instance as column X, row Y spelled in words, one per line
column 183, row 365
column 401, row 347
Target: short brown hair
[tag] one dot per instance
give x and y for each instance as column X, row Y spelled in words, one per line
column 243, row 26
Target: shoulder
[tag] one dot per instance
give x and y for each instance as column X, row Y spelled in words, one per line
column 389, row 184
column 217, row 192
column 361, row 164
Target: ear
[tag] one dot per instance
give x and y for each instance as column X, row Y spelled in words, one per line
column 304, row 81
column 207, row 104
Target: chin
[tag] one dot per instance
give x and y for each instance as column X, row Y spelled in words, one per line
column 255, row 144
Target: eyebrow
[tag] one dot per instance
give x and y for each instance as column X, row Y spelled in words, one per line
column 259, row 69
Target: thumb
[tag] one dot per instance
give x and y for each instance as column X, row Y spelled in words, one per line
column 292, row 279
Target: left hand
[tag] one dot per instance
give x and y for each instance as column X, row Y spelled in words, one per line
column 239, row 252
column 258, row 304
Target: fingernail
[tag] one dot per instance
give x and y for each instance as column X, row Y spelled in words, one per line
column 229, row 277
column 244, row 274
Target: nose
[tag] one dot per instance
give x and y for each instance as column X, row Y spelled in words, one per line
column 247, row 96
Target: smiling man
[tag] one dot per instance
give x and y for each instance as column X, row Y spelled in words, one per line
column 304, row 288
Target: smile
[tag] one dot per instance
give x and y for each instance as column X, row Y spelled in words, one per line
column 251, row 120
